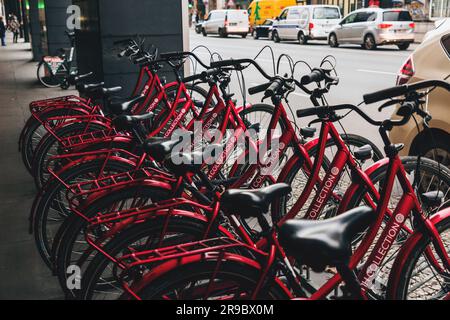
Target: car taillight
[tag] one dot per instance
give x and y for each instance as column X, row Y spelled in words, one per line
column 412, row 25
column 311, row 25
column 384, row 25
column 406, row 72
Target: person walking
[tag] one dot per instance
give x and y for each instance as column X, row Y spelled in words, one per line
column 14, row 27
column 2, row 32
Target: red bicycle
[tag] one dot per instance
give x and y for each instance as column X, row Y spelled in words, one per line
column 211, row 268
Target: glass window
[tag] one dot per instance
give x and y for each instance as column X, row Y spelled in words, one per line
column 283, row 15
column 326, row 13
column 350, row 19
column 446, row 43
column 397, row 15
column 268, row 23
column 363, row 16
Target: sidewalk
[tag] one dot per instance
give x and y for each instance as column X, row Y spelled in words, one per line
column 23, row 275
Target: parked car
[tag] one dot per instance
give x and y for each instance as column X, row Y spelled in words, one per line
column 226, row 22
column 303, row 23
column 264, row 30
column 430, row 60
column 372, row 27
column 261, row 10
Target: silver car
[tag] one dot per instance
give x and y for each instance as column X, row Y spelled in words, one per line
column 372, row 27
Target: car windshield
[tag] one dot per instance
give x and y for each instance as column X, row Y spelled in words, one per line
column 396, row 16
column 268, row 22
column 326, row 13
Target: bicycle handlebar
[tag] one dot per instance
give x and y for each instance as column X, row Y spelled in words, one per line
column 238, row 63
column 403, row 89
column 182, row 54
column 316, row 75
column 203, row 75
column 260, row 88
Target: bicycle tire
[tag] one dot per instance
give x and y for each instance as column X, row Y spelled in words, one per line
column 45, row 201
column 125, row 239
column 74, row 225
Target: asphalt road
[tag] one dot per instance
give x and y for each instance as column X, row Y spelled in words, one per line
column 360, row 71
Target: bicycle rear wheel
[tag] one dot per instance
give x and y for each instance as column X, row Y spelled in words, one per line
column 49, row 79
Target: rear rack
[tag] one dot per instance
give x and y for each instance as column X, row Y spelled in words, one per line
column 91, row 137
column 106, row 154
column 179, row 251
column 56, row 101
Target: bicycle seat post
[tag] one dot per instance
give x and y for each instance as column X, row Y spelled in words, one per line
column 352, row 283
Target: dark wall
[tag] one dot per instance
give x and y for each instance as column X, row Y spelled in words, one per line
column 106, row 21
column 56, row 17
column 37, row 37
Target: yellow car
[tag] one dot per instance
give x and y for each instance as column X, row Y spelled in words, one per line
column 431, row 60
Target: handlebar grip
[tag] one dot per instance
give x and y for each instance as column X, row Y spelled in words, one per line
column 273, row 88
column 193, row 77
column 202, row 75
column 311, row 112
column 172, row 54
column 228, row 63
column 259, row 88
column 316, row 75
column 385, row 94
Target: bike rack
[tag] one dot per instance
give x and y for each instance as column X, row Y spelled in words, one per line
column 36, row 105
column 91, row 137
column 182, row 250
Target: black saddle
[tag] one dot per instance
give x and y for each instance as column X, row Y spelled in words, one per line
column 126, row 122
column 159, row 148
column 364, row 153
column 122, row 107
column 252, row 203
column 75, row 79
column 97, row 91
column 432, row 198
column 89, row 87
column 324, row 243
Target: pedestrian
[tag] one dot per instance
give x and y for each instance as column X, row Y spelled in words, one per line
column 14, row 27
column 2, row 32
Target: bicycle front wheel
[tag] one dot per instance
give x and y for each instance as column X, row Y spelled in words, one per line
column 420, row 278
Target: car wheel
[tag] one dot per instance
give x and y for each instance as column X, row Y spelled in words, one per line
column 302, row 39
column 369, row 42
column 244, row 36
column 222, row 33
column 332, row 41
column 438, row 149
column 255, row 35
column 403, row 46
column 204, row 32
column 275, row 37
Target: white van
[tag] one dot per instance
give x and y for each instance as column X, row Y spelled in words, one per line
column 303, row 23
column 225, row 22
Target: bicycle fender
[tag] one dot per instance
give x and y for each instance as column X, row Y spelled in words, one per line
column 198, row 258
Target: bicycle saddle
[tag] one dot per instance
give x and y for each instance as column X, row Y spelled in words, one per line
column 324, row 243
column 126, row 122
column 160, row 148
column 182, row 163
column 364, row 153
column 432, row 198
column 252, row 203
column 85, row 88
column 118, row 108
